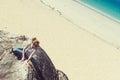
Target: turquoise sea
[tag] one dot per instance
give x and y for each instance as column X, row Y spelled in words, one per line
column 110, row 7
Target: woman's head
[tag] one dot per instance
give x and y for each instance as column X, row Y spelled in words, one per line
column 36, row 43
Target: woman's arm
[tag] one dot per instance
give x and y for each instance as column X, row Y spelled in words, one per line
column 31, row 55
column 23, row 53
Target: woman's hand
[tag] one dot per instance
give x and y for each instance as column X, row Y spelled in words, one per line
column 28, row 61
column 23, row 58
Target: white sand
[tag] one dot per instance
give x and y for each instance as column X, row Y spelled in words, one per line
column 88, row 19
column 79, row 54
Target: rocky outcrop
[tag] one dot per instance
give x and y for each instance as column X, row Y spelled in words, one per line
column 10, row 67
column 41, row 67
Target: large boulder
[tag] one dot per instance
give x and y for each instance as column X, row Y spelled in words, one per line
column 42, row 66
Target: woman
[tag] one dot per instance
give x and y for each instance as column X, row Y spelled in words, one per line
column 27, row 52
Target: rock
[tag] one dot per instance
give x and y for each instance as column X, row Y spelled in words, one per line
column 12, row 69
column 1, row 50
column 18, row 37
column 62, row 75
column 41, row 67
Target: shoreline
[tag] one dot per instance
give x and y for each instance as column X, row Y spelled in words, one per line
column 94, row 29
column 98, row 11
column 66, row 40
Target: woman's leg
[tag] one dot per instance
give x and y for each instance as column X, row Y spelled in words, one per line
column 17, row 50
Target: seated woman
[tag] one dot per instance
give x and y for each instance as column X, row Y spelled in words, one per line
column 27, row 52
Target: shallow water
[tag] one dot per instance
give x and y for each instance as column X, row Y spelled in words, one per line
column 110, row 7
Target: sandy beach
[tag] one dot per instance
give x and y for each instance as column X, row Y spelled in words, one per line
column 73, row 49
column 89, row 19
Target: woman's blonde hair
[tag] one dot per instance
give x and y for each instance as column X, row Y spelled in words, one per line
column 33, row 39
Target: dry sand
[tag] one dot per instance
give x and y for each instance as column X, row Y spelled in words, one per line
column 79, row 54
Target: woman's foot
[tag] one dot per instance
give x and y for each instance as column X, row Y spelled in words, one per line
column 11, row 51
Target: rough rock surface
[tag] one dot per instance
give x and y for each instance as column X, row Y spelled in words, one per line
column 41, row 67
